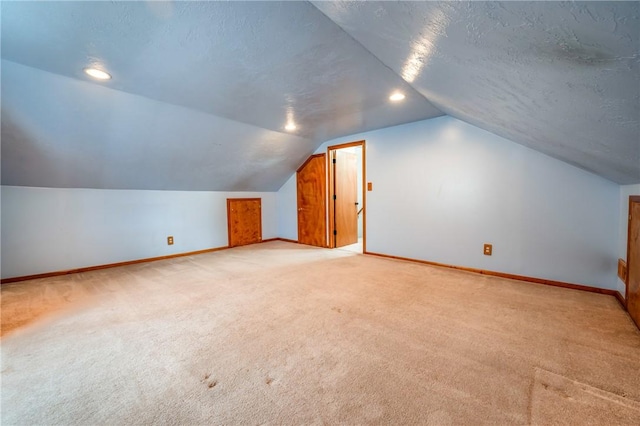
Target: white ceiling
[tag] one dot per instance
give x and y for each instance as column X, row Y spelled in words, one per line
column 201, row 91
column 559, row 77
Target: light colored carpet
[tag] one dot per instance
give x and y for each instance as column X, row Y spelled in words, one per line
column 279, row 333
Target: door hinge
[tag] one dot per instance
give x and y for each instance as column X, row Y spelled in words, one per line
column 335, row 232
column 334, row 161
column 334, row 196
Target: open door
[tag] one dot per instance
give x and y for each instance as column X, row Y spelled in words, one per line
column 244, row 221
column 345, row 200
column 312, row 186
column 633, row 260
column 347, row 197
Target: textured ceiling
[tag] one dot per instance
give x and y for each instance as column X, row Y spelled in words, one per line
column 253, row 62
column 201, row 91
column 560, row 77
column 243, row 63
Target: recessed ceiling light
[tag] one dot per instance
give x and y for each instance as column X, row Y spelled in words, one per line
column 290, row 127
column 96, row 73
column 397, row 96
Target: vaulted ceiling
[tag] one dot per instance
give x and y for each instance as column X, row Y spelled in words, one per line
column 201, row 91
column 559, row 77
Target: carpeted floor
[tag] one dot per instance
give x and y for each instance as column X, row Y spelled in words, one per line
column 280, row 333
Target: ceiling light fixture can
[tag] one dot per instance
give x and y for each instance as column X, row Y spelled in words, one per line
column 397, row 96
column 290, row 127
column 97, row 73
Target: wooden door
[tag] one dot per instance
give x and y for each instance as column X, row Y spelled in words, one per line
column 244, row 220
column 312, row 187
column 345, row 179
column 633, row 260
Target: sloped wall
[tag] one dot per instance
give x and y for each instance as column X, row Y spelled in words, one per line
column 288, row 210
column 53, row 229
column 442, row 188
column 66, row 133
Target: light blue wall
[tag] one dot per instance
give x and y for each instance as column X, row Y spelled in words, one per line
column 288, row 210
column 52, row 229
column 443, row 188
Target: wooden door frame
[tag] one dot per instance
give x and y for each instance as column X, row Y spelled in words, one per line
column 229, row 200
column 330, row 191
column 632, row 199
column 324, row 195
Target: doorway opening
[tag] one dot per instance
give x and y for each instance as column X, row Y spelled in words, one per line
column 347, row 197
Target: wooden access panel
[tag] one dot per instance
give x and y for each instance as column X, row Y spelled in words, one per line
column 633, row 260
column 244, row 220
column 312, row 187
column 345, row 178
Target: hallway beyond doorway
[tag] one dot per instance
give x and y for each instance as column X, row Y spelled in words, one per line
column 355, row 248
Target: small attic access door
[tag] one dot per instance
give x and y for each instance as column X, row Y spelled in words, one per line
column 244, row 221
